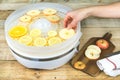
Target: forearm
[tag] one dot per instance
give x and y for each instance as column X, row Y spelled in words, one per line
column 107, row 11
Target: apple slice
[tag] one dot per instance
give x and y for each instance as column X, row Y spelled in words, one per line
column 52, row 33
column 33, row 13
column 35, row 33
column 53, row 18
column 26, row 40
column 79, row 65
column 54, row 40
column 66, row 33
column 25, row 18
column 49, row 11
column 40, row 41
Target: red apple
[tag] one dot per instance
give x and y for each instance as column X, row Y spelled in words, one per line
column 102, row 43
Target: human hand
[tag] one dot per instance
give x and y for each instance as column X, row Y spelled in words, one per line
column 72, row 18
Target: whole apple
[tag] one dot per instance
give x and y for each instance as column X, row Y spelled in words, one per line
column 102, row 43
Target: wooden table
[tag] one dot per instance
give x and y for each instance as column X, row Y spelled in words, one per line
column 10, row 69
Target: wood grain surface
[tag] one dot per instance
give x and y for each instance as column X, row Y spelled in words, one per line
column 10, row 69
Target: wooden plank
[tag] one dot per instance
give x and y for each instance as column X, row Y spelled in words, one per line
column 5, row 54
column 100, row 22
column 4, row 49
column 80, row 1
column 109, row 1
column 20, row 1
column 12, row 70
column 2, row 23
column 85, row 1
column 13, row 1
column 15, row 6
column 4, row 14
column 8, row 6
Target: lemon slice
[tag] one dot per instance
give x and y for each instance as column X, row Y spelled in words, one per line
column 27, row 40
column 17, row 31
column 54, row 40
column 33, row 13
column 49, row 11
column 52, row 33
column 66, row 33
column 40, row 41
column 25, row 18
column 53, row 18
column 35, row 33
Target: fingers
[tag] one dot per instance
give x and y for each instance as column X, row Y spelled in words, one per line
column 67, row 20
column 70, row 21
column 73, row 24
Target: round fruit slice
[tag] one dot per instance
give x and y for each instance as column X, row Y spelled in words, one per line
column 27, row 40
column 92, row 54
column 98, row 50
column 25, row 18
column 49, row 11
column 40, row 42
column 52, row 33
column 79, row 65
column 35, row 33
column 17, row 31
column 53, row 18
column 66, row 33
column 33, row 13
column 54, row 40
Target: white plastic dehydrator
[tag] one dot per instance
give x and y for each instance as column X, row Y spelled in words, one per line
column 42, row 57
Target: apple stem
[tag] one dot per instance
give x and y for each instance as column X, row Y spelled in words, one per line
column 102, row 41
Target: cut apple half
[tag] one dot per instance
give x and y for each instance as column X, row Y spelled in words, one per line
column 98, row 50
column 92, row 54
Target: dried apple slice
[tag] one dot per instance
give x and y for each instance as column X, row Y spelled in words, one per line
column 66, row 33
column 52, row 33
column 49, row 11
column 54, row 40
column 27, row 40
column 25, row 18
column 40, row 41
column 33, row 13
column 35, row 33
column 53, row 18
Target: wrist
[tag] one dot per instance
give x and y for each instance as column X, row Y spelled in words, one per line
column 90, row 11
column 94, row 10
column 86, row 12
